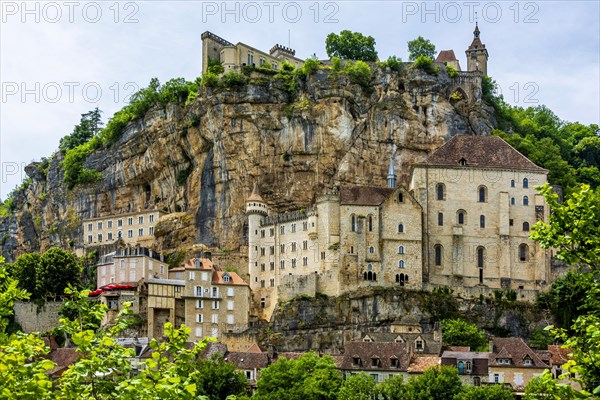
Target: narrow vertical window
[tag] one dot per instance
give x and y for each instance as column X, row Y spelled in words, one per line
column 440, row 219
column 482, row 221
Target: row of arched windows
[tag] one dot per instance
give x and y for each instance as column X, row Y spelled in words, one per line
column 402, row 279
column 482, row 193
column 525, row 201
column 525, row 183
column 438, row 254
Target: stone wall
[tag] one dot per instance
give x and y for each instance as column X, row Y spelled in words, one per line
column 37, row 319
column 297, row 285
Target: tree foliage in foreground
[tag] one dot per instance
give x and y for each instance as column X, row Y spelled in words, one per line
column 420, row 47
column 458, row 332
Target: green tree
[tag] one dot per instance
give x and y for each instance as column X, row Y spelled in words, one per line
column 458, row 332
column 58, row 269
column 544, row 387
column 392, row 388
column 88, row 127
column 492, row 392
column 358, row 387
column 351, row 46
column 25, row 269
column 436, row 383
column 9, row 293
column 420, row 47
column 308, row 377
column 218, row 379
column 573, row 227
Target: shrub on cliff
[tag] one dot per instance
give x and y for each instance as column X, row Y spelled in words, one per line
column 311, row 65
column 232, row 79
column 351, row 46
column 426, row 64
column 359, row 73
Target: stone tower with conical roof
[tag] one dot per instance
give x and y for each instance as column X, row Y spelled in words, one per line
column 477, row 54
column 256, row 210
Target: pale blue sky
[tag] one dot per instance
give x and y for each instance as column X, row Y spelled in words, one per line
column 545, row 51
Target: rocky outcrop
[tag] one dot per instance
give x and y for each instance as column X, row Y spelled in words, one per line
column 201, row 159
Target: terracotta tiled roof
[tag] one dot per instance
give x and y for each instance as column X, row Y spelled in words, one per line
column 245, row 360
column 213, row 348
column 234, row 279
column 383, row 352
column 418, row 364
column 254, row 349
column 480, row 152
column 363, row 195
column 430, row 346
column 62, row 358
column 446, row 56
column 458, row 349
column 517, row 350
column 466, row 354
column 558, row 354
column 205, row 263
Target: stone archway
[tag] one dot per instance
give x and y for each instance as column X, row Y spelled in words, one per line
column 458, row 94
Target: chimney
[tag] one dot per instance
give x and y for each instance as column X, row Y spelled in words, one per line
column 208, row 255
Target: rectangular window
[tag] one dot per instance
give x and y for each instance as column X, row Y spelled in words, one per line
column 440, row 219
column 282, row 264
column 282, row 248
column 262, row 251
column 99, row 237
column 130, row 221
column 199, row 303
column 293, row 228
column 305, row 261
column 293, row 246
column 282, row 230
column 141, row 232
column 109, row 224
column 230, row 319
column 215, row 304
column 272, row 282
column 272, row 232
column 262, row 283
column 198, row 291
column 119, row 223
column 305, row 226
column 89, row 227
column 151, row 230
column 110, row 236
column 130, row 233
column 192, row 275
column 132, row 276
column 99, row 225
column 151, row 218
column 272, row 250
column 89, row 238
column 262, row 267
column 199, row 318
column 322, row 255
column 141, row 219
column 230, row 292
column 262, row 233
column 293, row 263
column 198, row 331
column 305, row 245
column 215, row 318
column 230, row 305
column 272, row 266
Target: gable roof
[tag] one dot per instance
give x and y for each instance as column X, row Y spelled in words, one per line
column 365, row 351
column 480, row 152
column 558, row 354
column 446, row 56
column 418, row 364
column 245, row 360
column 363, row 195
column 517, row 350
column 234, row 279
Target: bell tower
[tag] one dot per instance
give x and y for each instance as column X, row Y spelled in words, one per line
column 477, row 54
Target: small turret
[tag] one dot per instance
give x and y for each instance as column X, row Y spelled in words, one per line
column 391, row 176
column 477, row 54
column 255, row 204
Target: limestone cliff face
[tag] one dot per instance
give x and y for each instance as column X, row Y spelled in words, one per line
column 200, row 161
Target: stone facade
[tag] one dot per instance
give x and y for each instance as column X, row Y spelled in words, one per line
column 464, row 223
column 131, row 228
column 212, row 301
column 234, row 56
column 130, row 264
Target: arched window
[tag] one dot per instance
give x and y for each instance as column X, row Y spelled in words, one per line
column 482, row 198
column 400, row 228
column 437, row 250
column 401, row 250
column 370, row 267
column 512, row 201
column 512, row 183
column 370, row 223
column 461, row 217
column 525, row 200
column 374, row 276
column 461, row 367
column 526, row 226
column 525, row 183
column 365, row 275
column 401, row 197
column 371, row 250
column 196, row 263
column 523, row 252
column 482, row 221
column 440, row 191
column 440, row 219
column 397, row 278
column 353, row 222
column 401, row 264
column 370, row 276
column 480, row 262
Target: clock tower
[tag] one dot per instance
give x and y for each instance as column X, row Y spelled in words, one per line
column 477, row 54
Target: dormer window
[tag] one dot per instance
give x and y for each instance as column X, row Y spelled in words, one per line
column 375, row 362
column 419, row 345
column 503, row 361
column 394, row 362
column 462, row 162
column 226, row 278
column 197, row 263
column 356, row 361
column 527, row 361
column 367, row 339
